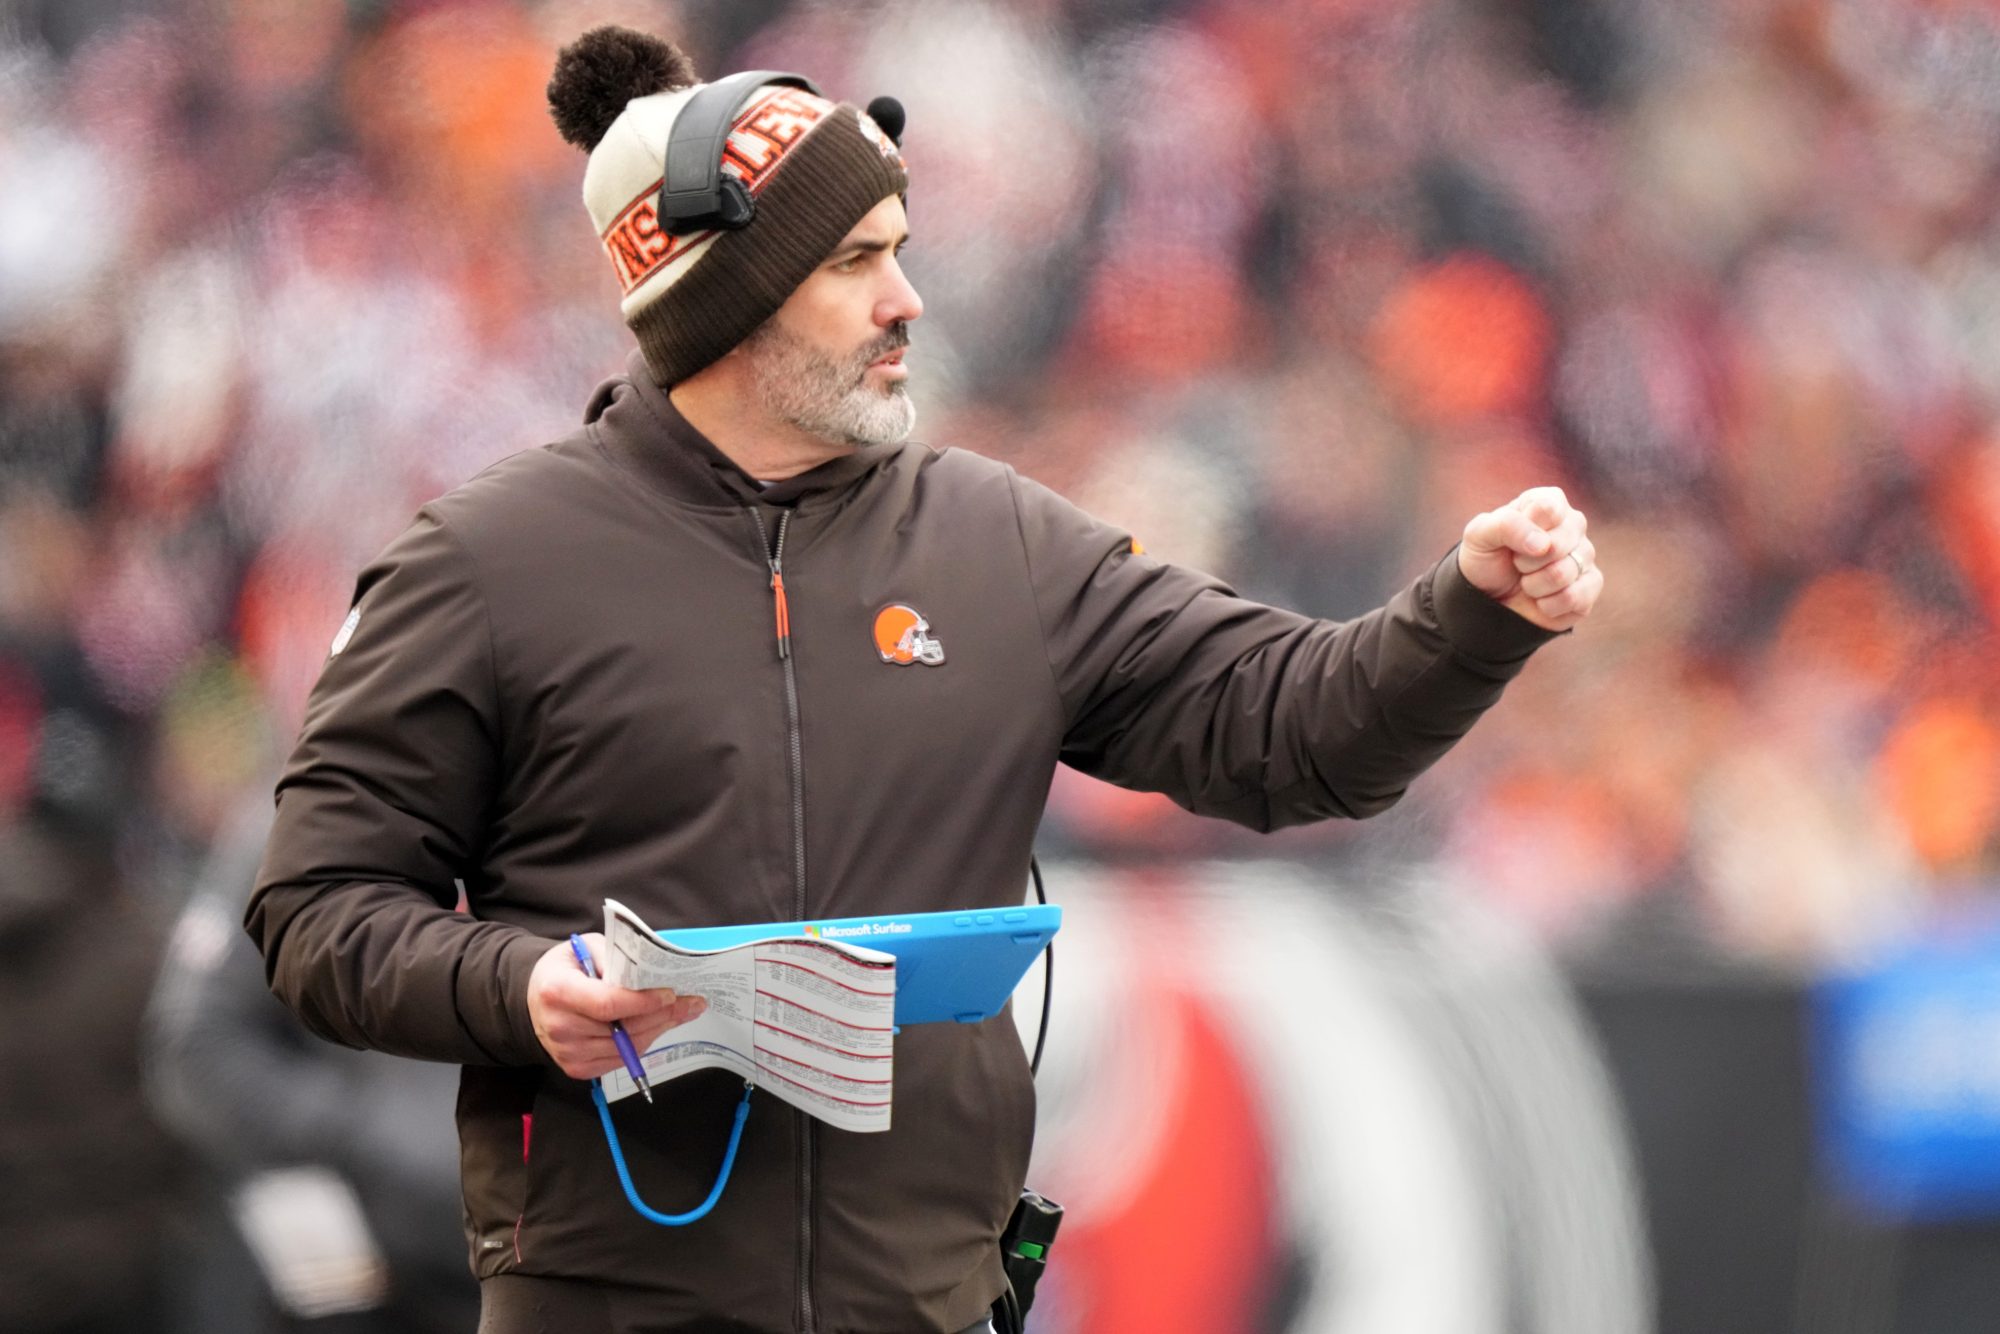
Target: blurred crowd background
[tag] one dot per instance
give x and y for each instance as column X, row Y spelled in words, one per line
column 1292, row 288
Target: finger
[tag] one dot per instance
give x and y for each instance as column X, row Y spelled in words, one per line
column 618, row 1003
column 1545, row 506
column 567, row 1031
column 1561, row 572
column 604, row 1002
column 578, row 1035
column 591, row 1069
column 1570, row 605
column 588, row 1060
column 590, row 1049
column 633, row 1005
column 1563, row 539
column 1505, row 529
column 685, row 1010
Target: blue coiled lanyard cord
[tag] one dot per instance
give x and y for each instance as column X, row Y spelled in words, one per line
column 645, row 1210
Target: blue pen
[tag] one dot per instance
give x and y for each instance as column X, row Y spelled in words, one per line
column 626, row 1051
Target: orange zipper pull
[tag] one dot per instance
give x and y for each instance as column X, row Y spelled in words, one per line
column 784, row 614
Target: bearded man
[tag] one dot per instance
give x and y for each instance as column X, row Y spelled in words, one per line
column 649, row 661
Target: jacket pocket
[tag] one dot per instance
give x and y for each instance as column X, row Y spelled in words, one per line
column 495, row 1105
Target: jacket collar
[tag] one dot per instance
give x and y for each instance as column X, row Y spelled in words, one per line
column 642, row 429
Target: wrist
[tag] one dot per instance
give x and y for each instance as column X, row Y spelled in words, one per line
column 1476, row 623
column 516, row 965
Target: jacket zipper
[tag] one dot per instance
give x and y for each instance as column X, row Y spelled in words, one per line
column 774, row 556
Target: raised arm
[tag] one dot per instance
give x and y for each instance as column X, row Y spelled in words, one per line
column 1173, row 683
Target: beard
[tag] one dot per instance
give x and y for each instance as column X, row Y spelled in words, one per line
column 827, row 397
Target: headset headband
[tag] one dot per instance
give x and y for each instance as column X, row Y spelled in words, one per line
column 696, row 194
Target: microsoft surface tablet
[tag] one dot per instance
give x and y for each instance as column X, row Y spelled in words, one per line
column 949, row 965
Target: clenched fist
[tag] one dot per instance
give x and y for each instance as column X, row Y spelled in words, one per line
column 1533, row 557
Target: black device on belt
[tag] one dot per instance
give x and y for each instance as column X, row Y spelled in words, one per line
column 1024, row 1254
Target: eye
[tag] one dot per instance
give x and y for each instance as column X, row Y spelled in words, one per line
column 847, row 265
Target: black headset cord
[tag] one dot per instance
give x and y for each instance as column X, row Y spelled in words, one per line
column 1048, row 973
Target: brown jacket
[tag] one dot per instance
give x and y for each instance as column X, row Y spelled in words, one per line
column 566, row 682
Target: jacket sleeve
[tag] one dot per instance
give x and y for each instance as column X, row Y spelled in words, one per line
column 1172, row 683
column 382, row 807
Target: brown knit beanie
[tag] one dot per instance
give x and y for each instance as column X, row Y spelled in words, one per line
column 814, row 168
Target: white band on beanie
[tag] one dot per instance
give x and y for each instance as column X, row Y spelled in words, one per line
column 621, row 187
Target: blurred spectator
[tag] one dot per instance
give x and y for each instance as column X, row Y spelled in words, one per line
column 91, row 1182
column 259, row 1099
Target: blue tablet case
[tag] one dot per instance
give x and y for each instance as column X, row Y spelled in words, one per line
column 949, row 965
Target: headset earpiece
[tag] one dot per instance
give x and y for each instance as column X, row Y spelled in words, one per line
column 734, row 205
column 696, row 194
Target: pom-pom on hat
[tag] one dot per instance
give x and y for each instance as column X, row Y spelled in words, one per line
column 813, row 167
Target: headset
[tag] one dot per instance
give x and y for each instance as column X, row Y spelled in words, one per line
column 696, row 194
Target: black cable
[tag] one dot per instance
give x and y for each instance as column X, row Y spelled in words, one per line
column 1048, row 973
column 1007, row 1317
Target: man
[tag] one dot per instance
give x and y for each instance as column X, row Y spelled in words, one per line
column 733, row 653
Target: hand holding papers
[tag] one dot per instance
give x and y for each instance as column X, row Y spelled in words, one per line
column 809, row 1020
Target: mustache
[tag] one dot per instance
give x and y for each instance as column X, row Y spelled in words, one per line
column 893, row 339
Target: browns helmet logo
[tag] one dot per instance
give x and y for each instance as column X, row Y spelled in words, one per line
column 902, row 636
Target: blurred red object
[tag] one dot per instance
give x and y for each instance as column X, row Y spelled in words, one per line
column 1966, row 497
column 1463, row 339
column 290, row 607
column 1940, row 773
column 1175, row 1233
column 20, row 733
column 1165, row 313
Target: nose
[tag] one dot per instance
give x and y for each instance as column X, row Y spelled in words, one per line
column 899, row 302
